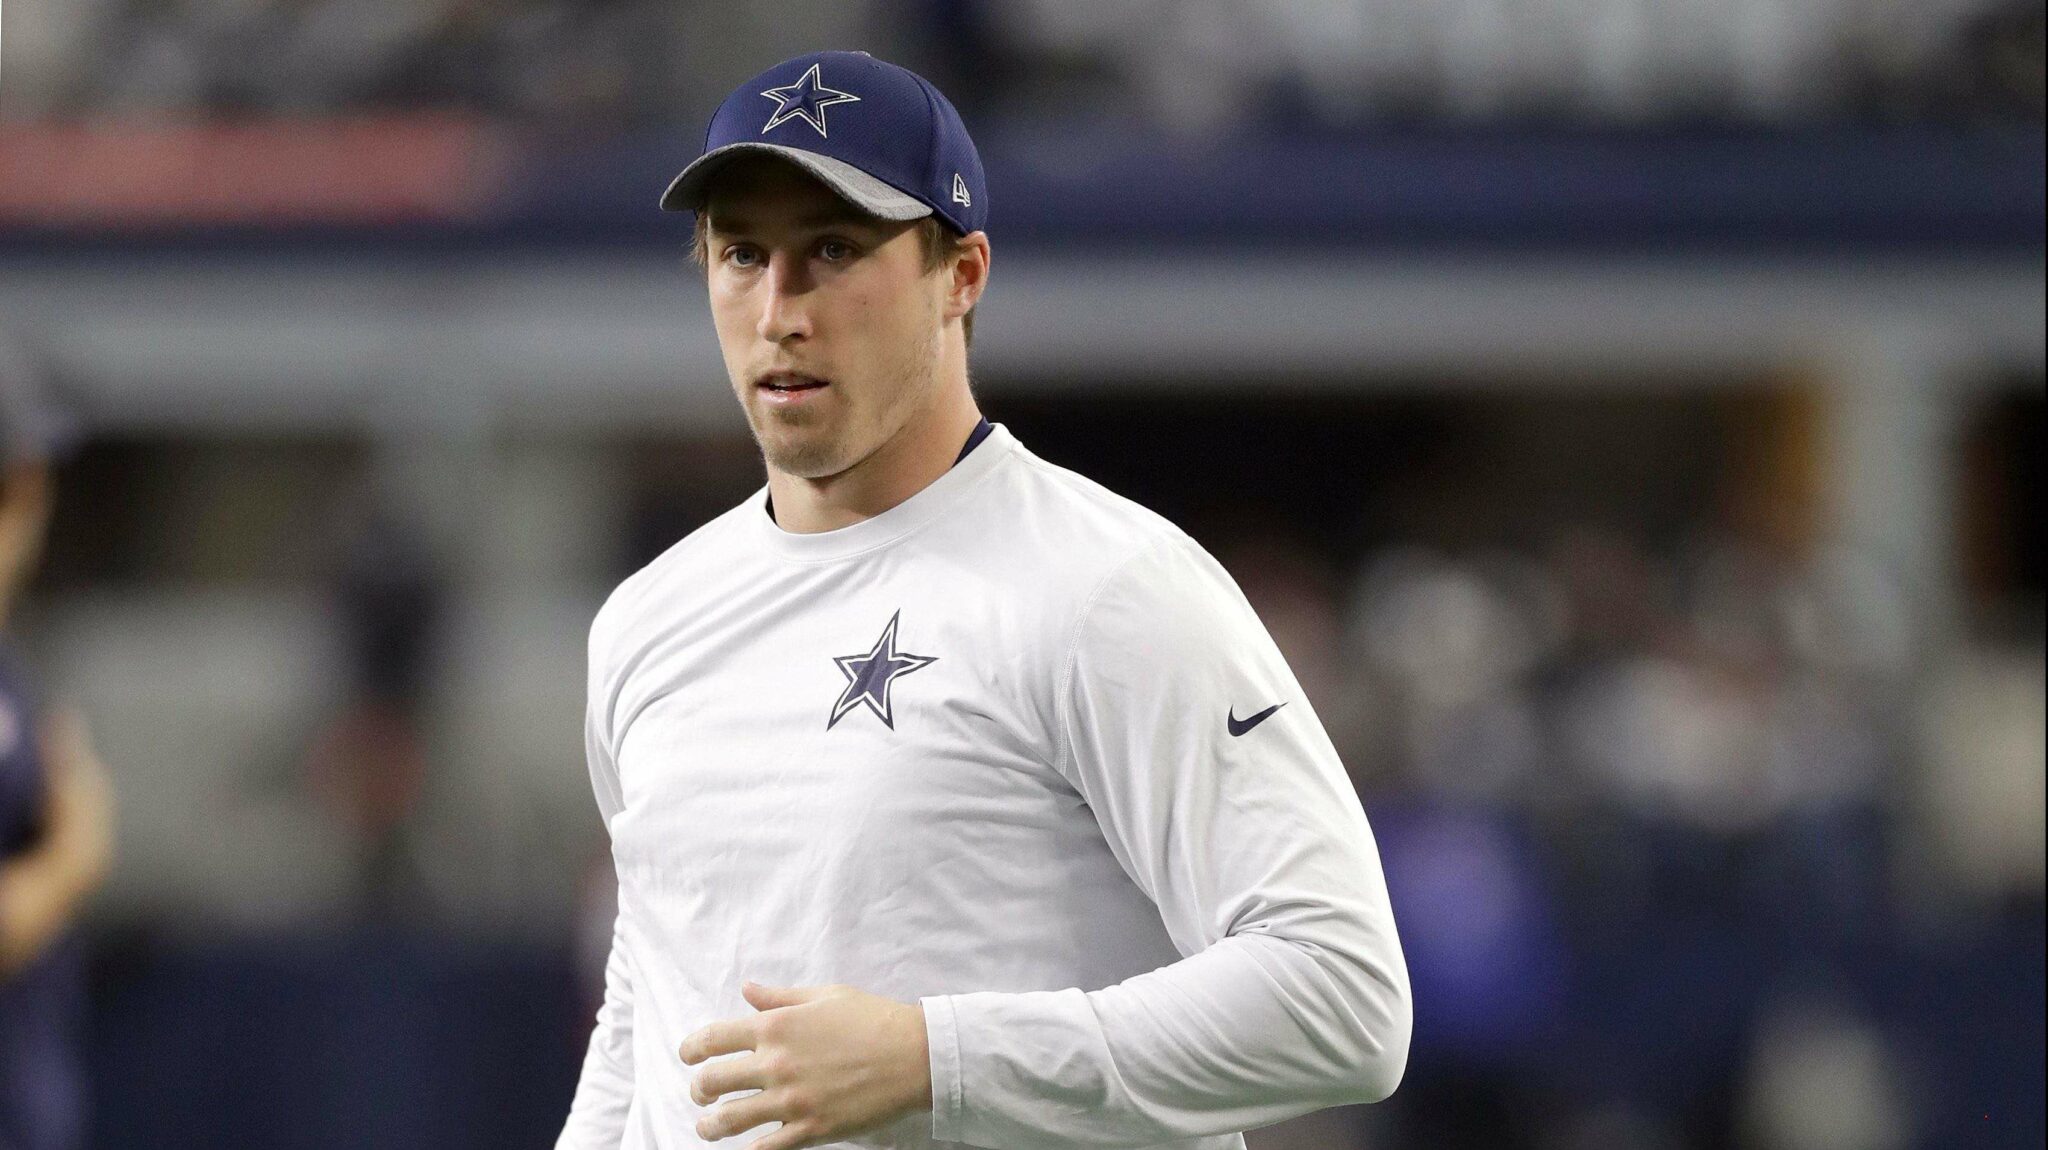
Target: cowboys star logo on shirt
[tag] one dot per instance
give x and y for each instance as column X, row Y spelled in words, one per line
column 807, row 98
column 869, row 676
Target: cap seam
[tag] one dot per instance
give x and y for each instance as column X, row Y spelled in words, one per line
column 931, row 174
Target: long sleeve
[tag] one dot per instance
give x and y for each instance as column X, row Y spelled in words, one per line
column 597, row 1116
column 1292, row 994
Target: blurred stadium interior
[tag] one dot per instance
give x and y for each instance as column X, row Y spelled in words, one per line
column 1626, row 414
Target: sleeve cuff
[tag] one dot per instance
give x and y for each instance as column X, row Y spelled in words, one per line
column 942, row 1034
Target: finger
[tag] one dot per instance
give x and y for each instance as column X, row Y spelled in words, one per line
column 792, row 1136
column 728, row 1037
column 738, row 1116
column 772, row 997
column 722, row 1078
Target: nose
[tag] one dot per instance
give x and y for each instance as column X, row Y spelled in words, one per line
column 785, row 302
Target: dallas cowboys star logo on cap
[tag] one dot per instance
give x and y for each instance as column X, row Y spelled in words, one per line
column 808, row 98
column 868, row 676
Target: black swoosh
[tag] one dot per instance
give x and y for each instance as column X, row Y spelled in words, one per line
column 1240, row 726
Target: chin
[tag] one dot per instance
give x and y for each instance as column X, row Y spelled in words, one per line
column 817, row 455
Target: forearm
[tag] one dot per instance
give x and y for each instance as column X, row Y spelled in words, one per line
column 1251, row 1031
column 1250, row 839
column 40, row 894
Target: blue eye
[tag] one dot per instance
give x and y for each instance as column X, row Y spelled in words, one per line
column 740, row 256
column 835, row 250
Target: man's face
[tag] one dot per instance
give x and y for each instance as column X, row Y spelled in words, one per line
column 828, row 321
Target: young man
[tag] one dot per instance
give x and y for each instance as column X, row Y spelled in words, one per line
column 953, row 798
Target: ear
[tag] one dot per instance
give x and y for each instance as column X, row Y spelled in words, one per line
column 968, row 276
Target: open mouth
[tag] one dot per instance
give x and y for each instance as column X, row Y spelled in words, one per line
column 788, row 382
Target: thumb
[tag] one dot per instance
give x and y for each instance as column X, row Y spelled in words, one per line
column 773, row 997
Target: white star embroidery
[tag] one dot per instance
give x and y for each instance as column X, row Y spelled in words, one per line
column 808, row 98
column 868, row 677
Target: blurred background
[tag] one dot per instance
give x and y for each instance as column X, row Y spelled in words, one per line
column 1626, row 414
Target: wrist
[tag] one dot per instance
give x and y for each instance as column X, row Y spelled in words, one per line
column 917, row 1061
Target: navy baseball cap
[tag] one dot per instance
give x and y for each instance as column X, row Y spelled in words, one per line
column 880, row 136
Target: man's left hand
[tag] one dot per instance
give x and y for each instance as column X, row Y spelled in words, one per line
column 829, row 1062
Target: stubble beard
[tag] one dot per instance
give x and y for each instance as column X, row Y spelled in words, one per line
column 818, row 445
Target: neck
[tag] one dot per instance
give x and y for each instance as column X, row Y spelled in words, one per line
column 904, row 465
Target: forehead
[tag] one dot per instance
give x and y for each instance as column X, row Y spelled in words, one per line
column 761, row 191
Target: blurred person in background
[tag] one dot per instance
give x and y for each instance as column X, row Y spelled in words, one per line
column 56, row 817
column 1033, row 778
column 368, row 764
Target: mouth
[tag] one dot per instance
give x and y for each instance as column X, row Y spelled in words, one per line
column 788, row 383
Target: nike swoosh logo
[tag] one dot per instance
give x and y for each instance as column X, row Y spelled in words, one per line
column 1240, row 726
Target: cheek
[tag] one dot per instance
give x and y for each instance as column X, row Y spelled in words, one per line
column 727, row 308
column 889, row 321
column 730, row 323
column 857, row 325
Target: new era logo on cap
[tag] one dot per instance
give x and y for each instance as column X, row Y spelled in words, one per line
column 880, row 136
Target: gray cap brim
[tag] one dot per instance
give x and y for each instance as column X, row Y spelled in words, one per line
column 863, row 191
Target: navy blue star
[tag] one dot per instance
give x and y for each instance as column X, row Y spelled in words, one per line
column 868, row 676
column 808, row 97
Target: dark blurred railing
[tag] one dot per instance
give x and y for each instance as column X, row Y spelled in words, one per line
column 413, row 181
column 349, row 1041
column 404, row 1042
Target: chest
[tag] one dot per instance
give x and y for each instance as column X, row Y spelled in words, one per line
column 889, row 725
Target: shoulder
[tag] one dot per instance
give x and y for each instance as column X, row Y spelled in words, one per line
column 675, row 572
column 1167, row 598
column 1109, row 554
column 1089, row 530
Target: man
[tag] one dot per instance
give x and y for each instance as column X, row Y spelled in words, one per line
column 56, row 820
column 953, row 798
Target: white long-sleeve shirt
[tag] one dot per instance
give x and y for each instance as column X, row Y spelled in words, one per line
column 994, row 751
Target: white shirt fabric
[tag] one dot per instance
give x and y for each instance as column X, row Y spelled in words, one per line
column 976, row 752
